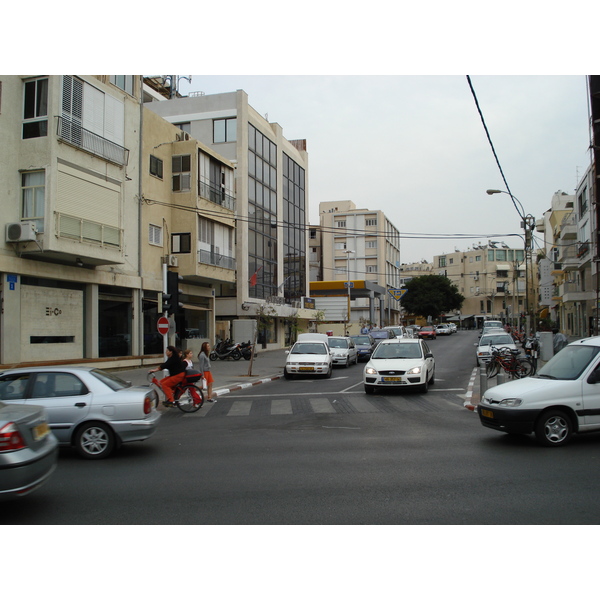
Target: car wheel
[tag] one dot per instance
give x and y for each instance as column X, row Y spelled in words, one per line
column 94, row 440
column 432, row 380
column 329, row 372
column 424, row 388
column 553, row 428
column 347, row 362
column 369, row 389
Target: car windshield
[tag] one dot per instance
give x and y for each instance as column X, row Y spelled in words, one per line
column 492, row 325
column 112, row 381
column 569, row 363
column 427, row 328
column 333, row 343
column 387, row 351
column 495, row 340
column 361, row 339
column 308, row 348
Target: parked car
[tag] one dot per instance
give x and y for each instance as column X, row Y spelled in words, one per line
column 443, row 329
column 491, row 325
column 496, row 338
column 310, row 357
column 89, row 409
column 398, row 330
column 404, row 362
column 562, row 399
column 453, row 327
column 343, row 350
column 28, row 450
column 364, row 345
column 381, row 334
column 427, row 332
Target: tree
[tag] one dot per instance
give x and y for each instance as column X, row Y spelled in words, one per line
column 431, row 295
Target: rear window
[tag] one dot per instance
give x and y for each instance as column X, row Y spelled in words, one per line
column 112, row 381
column 380, row 334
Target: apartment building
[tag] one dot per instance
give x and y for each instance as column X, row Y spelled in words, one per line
column 492, row 279
column 362, row 245
column 70, row 253
column 271, row 185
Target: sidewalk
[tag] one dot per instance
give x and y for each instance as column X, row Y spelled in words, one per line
column 230, row 375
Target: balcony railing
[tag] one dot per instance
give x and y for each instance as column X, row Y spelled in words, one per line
column 206, row 257
column 73, row 133
column 91, row 232
column 216, row 194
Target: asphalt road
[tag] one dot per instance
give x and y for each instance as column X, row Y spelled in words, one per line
column 323, row 452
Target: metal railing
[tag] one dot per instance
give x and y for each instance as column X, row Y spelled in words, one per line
column 216, row 194
column 74, row 134
column 206, row 257
column 75, row 228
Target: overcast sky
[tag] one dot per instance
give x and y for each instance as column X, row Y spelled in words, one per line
column 415, row 146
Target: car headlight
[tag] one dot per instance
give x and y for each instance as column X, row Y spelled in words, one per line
column 371, row 371
column 414, row 371
column 510, row 402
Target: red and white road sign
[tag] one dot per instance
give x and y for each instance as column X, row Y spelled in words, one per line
column 163, row 325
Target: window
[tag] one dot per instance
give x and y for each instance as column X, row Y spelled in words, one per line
column 340, row 245
column 501, row 273
column 186, row 127
column 123, row 82
column 182, row 178
column 224, row 130
column 340, row 223
column 451, row 261
column 35, row 109
column 371, row 268
column 313, row 234
column 582, row 202
column 33, row 191
column 156, row 167
column 371, row 222
column 155, row 235
column 372, row 244
column 181, row 243
column 442, row 261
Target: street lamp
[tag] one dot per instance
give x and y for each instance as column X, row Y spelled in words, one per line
column 348, row 285
column 528, row 224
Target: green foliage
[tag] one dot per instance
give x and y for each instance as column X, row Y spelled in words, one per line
column 431, row 295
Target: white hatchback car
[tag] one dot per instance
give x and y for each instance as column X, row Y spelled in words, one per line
column 343, row 350
column 400, row 362
column 563, row 398
column 310, row 357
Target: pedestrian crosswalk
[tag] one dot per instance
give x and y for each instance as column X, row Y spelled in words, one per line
column 301, row 404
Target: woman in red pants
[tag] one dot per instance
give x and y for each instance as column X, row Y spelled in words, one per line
column 176, row 367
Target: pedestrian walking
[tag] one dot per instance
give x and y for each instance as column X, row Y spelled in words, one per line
column 204, row 367
column 559, row 340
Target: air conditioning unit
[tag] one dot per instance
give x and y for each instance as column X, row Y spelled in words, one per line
column 183, row 136
column 476, row 278
column 172, row 260
column 21, row 232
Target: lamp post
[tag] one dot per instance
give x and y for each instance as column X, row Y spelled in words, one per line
column 348, row 285
column 528, row 224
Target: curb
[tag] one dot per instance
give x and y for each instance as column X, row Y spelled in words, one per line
column 243, row 386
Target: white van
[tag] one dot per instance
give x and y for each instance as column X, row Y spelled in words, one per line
column 563, row 398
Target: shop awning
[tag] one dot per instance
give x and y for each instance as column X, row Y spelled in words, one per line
column 502, row 267
column 194, row 307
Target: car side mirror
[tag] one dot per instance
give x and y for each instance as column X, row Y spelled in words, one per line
column 429, row 355
column 287, row 351
column 594, row 377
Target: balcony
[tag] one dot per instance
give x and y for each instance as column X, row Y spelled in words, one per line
column 82, row 230
column 568, row 228
column 207, row 257
column 74, row 134
column 216, row 194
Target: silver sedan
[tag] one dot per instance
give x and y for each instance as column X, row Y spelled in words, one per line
column 28, row 450
column 89, row 409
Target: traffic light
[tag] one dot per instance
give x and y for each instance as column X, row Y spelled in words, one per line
column 170, row 300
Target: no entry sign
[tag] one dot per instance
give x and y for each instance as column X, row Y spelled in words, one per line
column 163, row 325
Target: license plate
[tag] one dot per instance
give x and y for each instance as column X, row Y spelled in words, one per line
column 388, row 379
column 487, row 413
column 306, row 368
column 40, row 431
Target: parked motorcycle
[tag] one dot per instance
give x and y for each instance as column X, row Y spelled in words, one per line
column 224, row 350
column 246, row 350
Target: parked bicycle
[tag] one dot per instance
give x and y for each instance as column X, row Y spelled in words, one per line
column 187, row 396
column 509, row 361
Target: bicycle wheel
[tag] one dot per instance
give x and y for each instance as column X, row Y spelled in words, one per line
column 525, row 368
column 191, row 399
column 491, row 369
